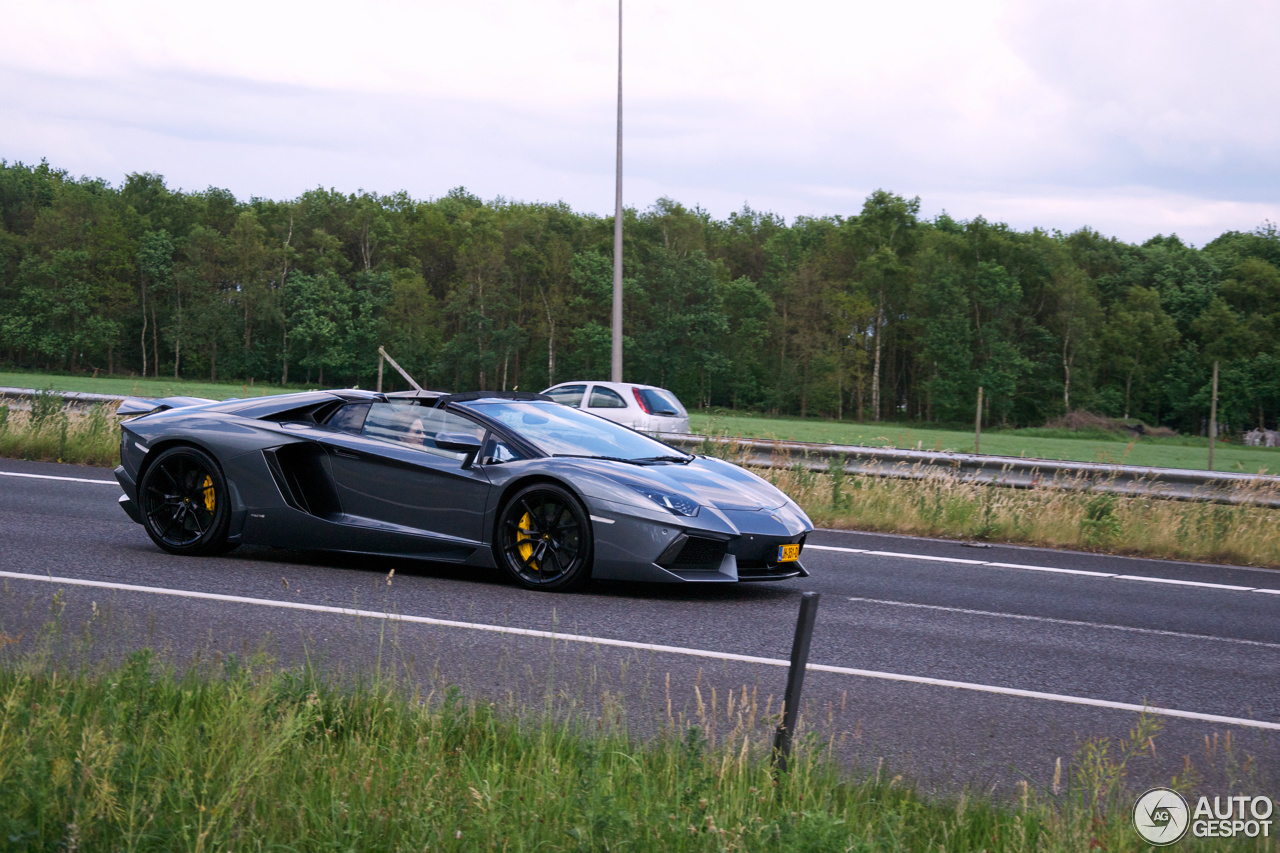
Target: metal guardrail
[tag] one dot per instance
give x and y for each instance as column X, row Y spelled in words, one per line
column 1170, row 483
column 69, row 398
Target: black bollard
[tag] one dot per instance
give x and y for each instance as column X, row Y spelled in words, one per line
column 795, row 679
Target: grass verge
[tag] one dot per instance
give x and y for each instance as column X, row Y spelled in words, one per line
column 247, row 755
column 133, row 386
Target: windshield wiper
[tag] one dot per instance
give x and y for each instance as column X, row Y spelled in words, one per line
column 594, row 456
column 644, row 460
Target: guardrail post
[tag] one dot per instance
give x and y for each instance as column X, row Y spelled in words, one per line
column 795, row 679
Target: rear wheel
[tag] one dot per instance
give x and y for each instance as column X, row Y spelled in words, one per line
column 185, row 506
column 544, row 538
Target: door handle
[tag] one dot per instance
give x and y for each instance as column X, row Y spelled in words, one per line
column 346, row 454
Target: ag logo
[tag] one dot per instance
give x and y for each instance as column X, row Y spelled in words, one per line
column 1161, row 816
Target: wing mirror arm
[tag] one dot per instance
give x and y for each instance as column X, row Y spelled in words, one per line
column 460, row 442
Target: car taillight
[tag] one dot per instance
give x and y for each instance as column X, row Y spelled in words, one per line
column 644, row 408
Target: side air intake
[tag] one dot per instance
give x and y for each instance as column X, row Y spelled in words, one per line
column 693, row 554
column 301, row 473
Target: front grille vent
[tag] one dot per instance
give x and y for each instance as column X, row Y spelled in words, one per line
column 694, row 554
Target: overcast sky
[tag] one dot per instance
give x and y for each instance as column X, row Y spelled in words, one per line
column 1134, row 118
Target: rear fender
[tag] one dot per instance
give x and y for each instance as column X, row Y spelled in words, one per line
column 147, row 405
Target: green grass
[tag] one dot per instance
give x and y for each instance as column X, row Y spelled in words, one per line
column 127, row 386
column 248, row 756
column 1175, row 452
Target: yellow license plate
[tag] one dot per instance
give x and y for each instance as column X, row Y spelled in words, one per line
column 788, row 553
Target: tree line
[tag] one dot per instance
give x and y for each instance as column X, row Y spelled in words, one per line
column 878, row 315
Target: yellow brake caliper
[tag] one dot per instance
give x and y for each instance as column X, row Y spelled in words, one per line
column 525, row 540
column 207, row 485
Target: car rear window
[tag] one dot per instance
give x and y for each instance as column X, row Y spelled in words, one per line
column 659, row 402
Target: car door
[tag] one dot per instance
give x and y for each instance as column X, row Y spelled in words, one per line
column 608, row 403
column 392, row 478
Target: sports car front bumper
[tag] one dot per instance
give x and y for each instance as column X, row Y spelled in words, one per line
column 718, row 546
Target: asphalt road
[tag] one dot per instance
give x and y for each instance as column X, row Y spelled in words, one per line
column 1041, row 650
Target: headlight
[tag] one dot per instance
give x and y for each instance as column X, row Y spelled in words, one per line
column 675, row 503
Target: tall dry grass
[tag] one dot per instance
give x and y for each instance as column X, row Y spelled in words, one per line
column 940, row 504
column 48, row 433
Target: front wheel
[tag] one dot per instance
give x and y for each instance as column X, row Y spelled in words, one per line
column 544, row 538
column 185, row 506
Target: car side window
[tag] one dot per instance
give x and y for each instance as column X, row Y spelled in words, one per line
column 569, row 395
column 349, row 418
column 496, row 451
column 606, row 398
column 417, row 426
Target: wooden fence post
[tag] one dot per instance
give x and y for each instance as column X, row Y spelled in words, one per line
column 1213, row 414
column 977, row 425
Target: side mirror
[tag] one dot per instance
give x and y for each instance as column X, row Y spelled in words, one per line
column 459, row 442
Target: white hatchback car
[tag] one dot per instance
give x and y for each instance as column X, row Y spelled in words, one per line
column 641, row 407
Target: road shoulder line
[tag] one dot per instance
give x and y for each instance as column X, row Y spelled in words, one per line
column 51, row 477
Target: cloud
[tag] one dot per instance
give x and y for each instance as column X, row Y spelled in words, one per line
column 1134, row 118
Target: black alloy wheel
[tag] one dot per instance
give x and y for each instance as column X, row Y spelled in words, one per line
column 185, row 507
column 544, row 538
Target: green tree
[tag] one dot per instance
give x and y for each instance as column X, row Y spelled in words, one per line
column 155, row 274
column 1138, row 334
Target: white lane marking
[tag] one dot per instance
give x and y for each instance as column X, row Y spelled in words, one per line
column 51, row 477
column 1049, row 697
column 1083, row 572
column 930, row 559
column 1184, row 583
column 602, row 520
column 654, row 647
column 896, row 554
column 1072, row 622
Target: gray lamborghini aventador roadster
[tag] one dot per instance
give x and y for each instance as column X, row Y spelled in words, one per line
column 551, row 494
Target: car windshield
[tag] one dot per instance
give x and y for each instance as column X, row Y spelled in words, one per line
column 561, row 431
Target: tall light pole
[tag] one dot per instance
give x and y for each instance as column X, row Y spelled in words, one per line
column 616, row 373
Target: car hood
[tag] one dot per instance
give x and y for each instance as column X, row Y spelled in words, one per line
column 711, row 482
